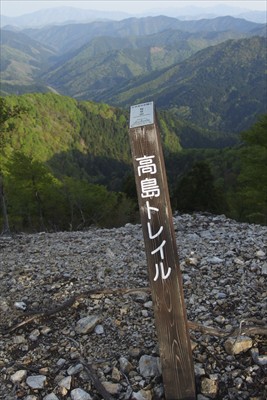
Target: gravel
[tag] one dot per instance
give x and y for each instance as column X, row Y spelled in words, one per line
column 224, row 266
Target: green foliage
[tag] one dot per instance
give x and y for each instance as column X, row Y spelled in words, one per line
column 57, row 132
column 29, row 184
column 51, row 124
column 253, row 177
column 221, row 88
column 7, row 113
column 65, row 163
column 39, row 201
column 196, row 191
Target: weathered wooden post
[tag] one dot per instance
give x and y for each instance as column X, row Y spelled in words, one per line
column 161, row 252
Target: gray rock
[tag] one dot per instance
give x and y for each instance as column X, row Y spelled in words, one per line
column 112, row 388
column 87, row 324
column 75, row 369
column 199, row 370
column 260, row 360
column 61, row 362
column 149, row 366
column 138, row 396
column 215, row 260
column 125, row 365
column 34, row 335
column 19, row 339
column 36, row 381
column 79, row 394
column 51, row 396
column 264, row 269
column 142, row 395
column 65, row 382
column 260, row 254
column 20, row 305
column 19, row 376
column 99, row 330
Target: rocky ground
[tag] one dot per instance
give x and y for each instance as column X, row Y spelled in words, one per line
column 111, row 338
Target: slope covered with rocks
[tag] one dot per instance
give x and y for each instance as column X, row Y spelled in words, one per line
column 110, row 338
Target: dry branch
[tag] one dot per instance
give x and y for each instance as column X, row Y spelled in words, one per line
column 208, row 330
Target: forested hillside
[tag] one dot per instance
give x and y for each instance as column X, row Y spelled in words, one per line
column 67, row 89
column 222, row 87
column 173, row 62
column 66, row 165
column 61, row 158
column 106, row 64
column 69, row 37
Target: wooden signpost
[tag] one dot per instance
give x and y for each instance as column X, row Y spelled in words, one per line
column 161, row 252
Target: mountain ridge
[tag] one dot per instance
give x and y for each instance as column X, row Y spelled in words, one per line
column 200, row 76
column 65, row 14
column 116, row 68
column 67, row 37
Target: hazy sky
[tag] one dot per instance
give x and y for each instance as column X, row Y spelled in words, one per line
column 19, row 7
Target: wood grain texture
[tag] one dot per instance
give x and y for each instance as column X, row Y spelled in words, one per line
column 163, row 264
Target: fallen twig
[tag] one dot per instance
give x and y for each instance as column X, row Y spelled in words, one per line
column 32, row 315
column 212, row 331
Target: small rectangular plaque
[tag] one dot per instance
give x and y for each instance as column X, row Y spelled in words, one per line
column 142, row 114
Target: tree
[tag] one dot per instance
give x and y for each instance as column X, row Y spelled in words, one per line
column 253, row 176
column 196, row 191
column 7, row 113
column 29, row 183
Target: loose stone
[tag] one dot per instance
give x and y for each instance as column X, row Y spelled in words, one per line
column 19, row 376
column 99, row 330
column 125, row 365
column 73, row 370
column 237, row 345
column 149, row 366
column 80, row 394
column 65, row 383
column 116, row 375
column 20, row 305
column 36, row 381
column 209, row 387
column 51, row 396
column 112, row 388
column 87, row 324
column 34, row 335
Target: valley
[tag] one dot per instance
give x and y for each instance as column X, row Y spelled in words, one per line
column 66, row 91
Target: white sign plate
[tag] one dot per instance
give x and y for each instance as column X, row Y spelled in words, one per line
column 142, row 114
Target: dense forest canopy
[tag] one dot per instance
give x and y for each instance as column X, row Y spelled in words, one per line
column 66, row 164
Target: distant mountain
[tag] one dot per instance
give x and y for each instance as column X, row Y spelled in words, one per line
column 222, row 87
column 121, row 62
column 72, row 36
column 189, row 13
column 85, row 70
column 60, row 15
column 65, row 15
column 22, row 58
column 107, row 62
